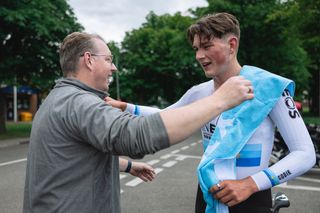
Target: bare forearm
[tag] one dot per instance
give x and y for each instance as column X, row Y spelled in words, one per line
column 123, row 163
column 182, row 122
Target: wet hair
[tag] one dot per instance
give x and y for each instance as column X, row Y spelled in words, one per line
column 72, row 47
column 214, row 26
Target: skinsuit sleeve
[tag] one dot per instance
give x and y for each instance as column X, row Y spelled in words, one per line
column 295, row 134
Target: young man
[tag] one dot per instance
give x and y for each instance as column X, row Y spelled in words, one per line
column 76, row 138
column 215, row 39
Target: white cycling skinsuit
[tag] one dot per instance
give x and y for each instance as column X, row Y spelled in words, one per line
column 284, row 116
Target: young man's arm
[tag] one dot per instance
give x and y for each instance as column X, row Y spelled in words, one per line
column 132, row 108
column 182, row 122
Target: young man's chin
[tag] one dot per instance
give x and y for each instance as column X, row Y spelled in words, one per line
column 208, row 74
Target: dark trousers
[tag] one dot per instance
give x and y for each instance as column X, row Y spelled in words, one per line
column 260, row 202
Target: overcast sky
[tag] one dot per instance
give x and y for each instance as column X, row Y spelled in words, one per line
column 112, row 18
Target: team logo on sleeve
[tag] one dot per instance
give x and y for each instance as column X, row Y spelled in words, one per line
column 284, row 174
column 292, row 110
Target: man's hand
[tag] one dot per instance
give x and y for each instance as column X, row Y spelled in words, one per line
column 232, row 192
column 234, row 91
column 142, row 170
column 115, row 103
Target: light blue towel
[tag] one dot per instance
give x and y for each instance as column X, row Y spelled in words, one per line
column 235, row 128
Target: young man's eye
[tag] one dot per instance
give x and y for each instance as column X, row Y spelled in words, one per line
column 207, row 46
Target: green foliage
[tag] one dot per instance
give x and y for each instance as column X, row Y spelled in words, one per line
column 30, row 35
column 158, row 63
column 308, row 25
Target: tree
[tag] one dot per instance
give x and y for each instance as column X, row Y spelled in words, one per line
column 30, row 34
column 267, row 37
column 114, row 90
column 158, row 62
column 307, row 17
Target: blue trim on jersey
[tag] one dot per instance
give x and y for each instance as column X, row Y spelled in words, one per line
column 136, row 110
column 248, row 162
column 252, row 147
column 249, row 156
column 272, row 177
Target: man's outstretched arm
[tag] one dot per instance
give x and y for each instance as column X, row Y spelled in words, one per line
column 182, row 122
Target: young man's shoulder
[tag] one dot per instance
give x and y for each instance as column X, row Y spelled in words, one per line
column 199, row 91
column 205, row 86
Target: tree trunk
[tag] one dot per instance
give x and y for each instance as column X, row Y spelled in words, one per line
column 2, row 113
column 315, row 94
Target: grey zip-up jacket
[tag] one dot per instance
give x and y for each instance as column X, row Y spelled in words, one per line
column 75, row 141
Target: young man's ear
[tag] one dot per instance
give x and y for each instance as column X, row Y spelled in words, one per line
column 233, row 44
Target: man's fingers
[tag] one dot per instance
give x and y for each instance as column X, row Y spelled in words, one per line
column 226, row 199
column 231, row 203
column 215, row 188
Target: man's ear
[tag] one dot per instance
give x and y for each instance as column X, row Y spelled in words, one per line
column 233, row 44
column 87, row 60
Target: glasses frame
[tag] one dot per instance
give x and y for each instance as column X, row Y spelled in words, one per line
column 96, row 54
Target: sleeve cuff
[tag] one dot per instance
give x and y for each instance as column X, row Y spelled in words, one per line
column 130, row 108
column 262, row 180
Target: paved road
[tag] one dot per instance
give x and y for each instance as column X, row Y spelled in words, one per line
column 173, row 191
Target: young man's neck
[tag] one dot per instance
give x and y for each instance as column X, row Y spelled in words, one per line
column 230, row 72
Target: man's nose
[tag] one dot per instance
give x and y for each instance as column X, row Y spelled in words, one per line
column 199, row 55
column 114, row 68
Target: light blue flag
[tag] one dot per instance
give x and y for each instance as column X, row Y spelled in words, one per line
column 235, row 128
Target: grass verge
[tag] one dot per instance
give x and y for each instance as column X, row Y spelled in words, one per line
column 17, row 130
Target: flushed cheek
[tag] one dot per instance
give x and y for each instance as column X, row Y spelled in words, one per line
column 219, row 58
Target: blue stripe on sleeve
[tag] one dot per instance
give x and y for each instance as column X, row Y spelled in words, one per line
column 136, row 110
column 272, row 177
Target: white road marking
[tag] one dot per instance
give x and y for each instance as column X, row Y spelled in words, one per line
column 193, row 144
column 158, row 170
column 169, row 164
column 13, row 162
column 134, row 182
column 181, row 158
column 121, row 191
column 185, row 147
column 307, row 188
column 188, row 156
column 308, row 179
column 152, row 162
column 122, row 176
column 175, row 151
column 165, row 156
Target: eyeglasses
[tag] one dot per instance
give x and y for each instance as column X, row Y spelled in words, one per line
column 109, row 59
